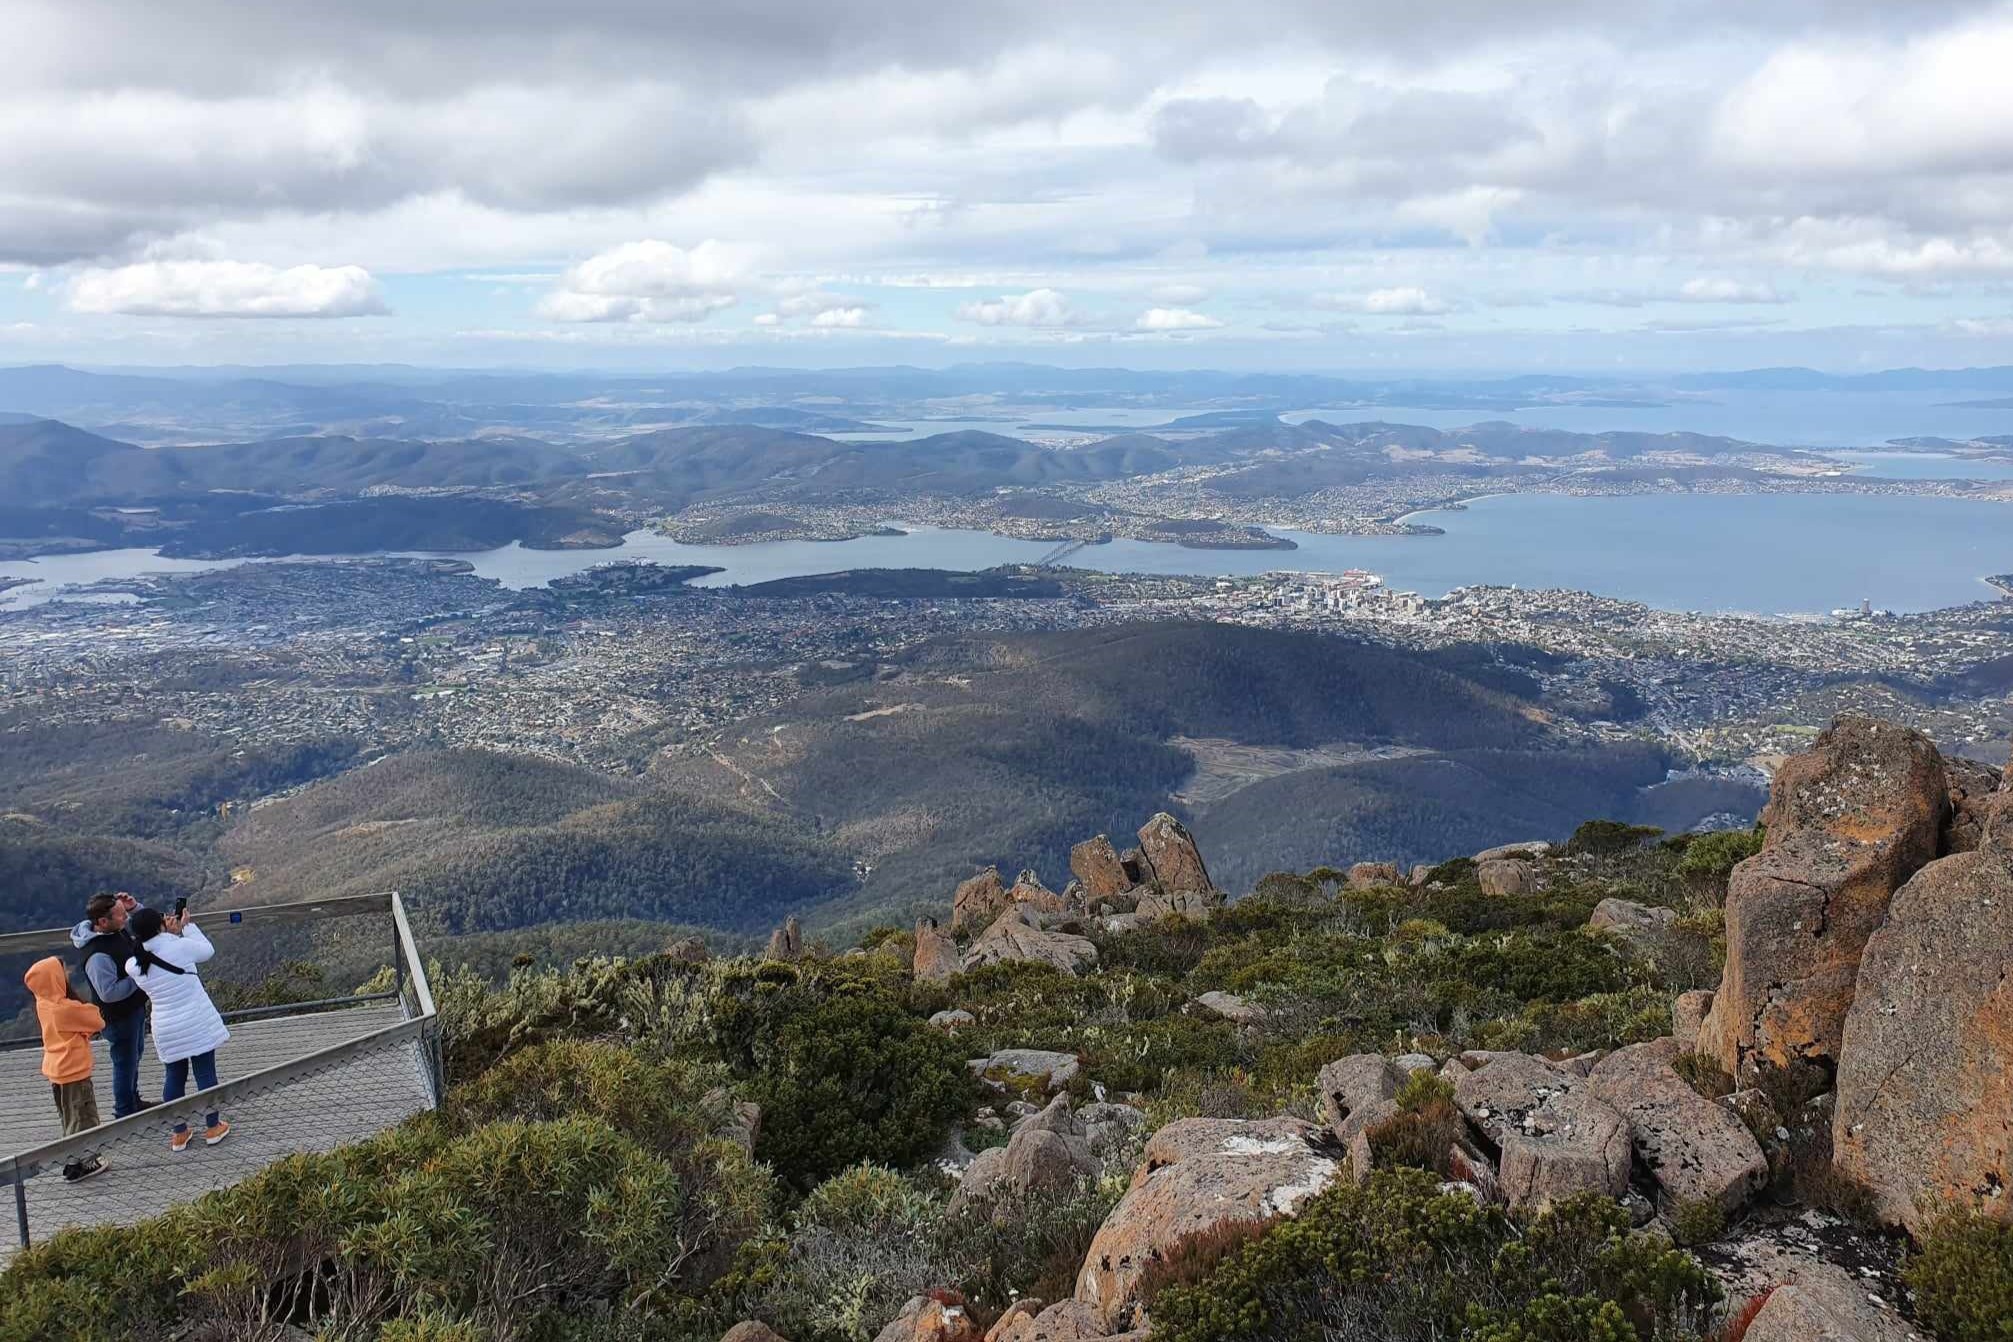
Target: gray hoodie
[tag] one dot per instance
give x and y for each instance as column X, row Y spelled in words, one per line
column 101, row 969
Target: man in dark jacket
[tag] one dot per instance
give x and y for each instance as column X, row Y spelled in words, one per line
column 103, row 947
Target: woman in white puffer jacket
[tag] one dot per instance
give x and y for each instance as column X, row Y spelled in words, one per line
column 187, row 1029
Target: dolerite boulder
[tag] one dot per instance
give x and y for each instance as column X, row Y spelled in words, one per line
column 751, row 1330
column 1824, row 1304
column 1198, row 1174
column 787, row 941
column 1016, row 935
column 1499, row 1089
column 1231, row 1007
column 1688, row 1015
column 1047, row 1153
column 1571, row 1143
column 1972, row 787
column 1357, row 1093
column 1925, row 1078
column 1631, row 921
column 1051, row 1068
column 936, row 957
column 930, row 1319
column 688, row 951
column 1848, row 822
column 1170, row 855
column 1370, row 875
column 1695, row 1149
column 1155, row 905
column 978, row 901
column 1067, row 1321
column 1028, row 891
column 1095, row 864
column 1506, row 876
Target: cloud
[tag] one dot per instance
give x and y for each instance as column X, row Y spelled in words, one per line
column 1400, row 301
column 1178, row 295
column 226, row 289
column 1175, row 319
column 649, row 281
column 840, row 318
column 1038, row 308
column 1720, row 289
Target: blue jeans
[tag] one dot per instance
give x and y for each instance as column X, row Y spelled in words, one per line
column 176, row 1084
column 127, row 1040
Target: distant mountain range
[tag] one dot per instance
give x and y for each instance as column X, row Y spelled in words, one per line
column 378, row 401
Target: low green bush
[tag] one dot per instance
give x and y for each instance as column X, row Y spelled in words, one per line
column 1709, row 859
column 1398, row 1260
column 1962, row 1276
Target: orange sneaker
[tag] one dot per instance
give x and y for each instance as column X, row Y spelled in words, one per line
column 211, row 1136
column 179, row 1141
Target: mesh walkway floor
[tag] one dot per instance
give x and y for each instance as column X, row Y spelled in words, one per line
column 344, row 1102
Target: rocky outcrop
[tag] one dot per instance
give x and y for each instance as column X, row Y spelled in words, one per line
column 1048, row 1153
column 1848, row 822
column 1370, row 875
column 1629, row 920
column 978, row 901
column 1110, row 1126
column 1052, row 1069
column 1825, row 1305
column 1971, row 789
column 1197, row 1174
column 1231, row 1007
column 953, row 1020
column 1029, row 892
column 1015, row 935
column 1694, row 1148
column 1096, row 865
column 1155, row 905
column 688, row 951
column 1068, row 1321
column 787, row 941
column 936, row 957
column 1507, row 876
column 1925, row 1075
column 1688, row 1015
column 751, row 1330
column 1571, row 1143
column 931, row 1318
column 1168, row 851
column 1500, row 1090
column 1357, row 1093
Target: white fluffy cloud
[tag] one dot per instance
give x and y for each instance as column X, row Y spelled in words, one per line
column 1037, row 308
column 649, row 281
column 1175, row 319
column 194, row 288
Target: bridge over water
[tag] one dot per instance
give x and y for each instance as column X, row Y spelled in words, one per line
column 355, row 1054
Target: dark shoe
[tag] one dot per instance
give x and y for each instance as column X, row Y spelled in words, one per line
column 77, row 1174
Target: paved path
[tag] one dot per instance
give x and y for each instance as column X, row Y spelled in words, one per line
column 348, row 1101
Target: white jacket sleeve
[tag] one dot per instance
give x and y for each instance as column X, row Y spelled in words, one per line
column 195, row 946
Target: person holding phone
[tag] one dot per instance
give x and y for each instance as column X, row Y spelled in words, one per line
column 187, row 1029
column 104, row 945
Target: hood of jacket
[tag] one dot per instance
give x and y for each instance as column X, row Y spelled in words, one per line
column 82, row 933
column 48, row 980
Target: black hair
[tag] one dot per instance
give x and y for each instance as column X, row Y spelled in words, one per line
column 146, row 924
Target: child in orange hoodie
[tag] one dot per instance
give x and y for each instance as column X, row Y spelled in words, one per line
column 68, row 1022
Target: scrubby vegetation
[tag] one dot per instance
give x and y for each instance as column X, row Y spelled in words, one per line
column 1963, row 1279
column 1400, row 1260
column 597, row 1172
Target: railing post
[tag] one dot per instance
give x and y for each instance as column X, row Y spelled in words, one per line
column 21, row 1201
column 397, row 956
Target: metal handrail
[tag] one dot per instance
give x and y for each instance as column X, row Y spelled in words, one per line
column 296, row 911
column 420, row 1028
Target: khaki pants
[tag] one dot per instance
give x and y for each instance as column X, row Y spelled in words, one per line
column 77, row 1103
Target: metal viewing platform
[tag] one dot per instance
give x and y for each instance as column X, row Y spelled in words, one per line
column 296, row 1076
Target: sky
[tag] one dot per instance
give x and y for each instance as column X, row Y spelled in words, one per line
column 1340, row 185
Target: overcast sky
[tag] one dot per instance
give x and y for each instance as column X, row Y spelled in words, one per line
column 1336, row 184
